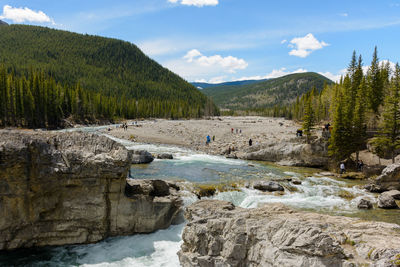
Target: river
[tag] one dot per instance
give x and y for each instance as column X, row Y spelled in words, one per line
column 315, row 193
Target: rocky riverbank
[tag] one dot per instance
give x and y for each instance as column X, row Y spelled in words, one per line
column 220, row 234
column 69, row 188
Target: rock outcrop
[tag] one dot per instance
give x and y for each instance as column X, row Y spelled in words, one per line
column 293, row 153
column 364, row 204
column 220, row 234
column 141, row 157
column 388, row 180
column 165, row 156
column 69, row 188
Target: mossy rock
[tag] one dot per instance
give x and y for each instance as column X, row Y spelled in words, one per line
column 345, row 194
column 353, row 176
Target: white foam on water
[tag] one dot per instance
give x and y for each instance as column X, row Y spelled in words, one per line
column 195, row 158
column 154, row 250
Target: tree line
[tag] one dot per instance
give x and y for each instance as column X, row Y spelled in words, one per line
column 361, row 105
column 38, row 101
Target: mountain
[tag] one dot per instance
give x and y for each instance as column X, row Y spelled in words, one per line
column 267, row 93
column 200, row 85
column 3, row 23
column 108, row 66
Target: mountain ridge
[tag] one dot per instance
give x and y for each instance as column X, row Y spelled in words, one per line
column 267, row 93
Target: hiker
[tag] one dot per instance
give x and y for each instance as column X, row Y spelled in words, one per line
column 342, row 168
column 299, row 132
column 327, row 126
column 236, row 130
column 250, row 142
column 240, row 131
column 229, row 150
column 360, row 165
column 213, row 138
column 231, row 130
column 208, row 140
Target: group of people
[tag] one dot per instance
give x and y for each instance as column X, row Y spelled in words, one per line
column 124, row 126
column 208, row 139
column 360, row 165
column 237, row 130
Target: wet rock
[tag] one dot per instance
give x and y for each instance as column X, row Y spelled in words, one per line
column 165, row 156
column 364, row 204
column 394, row 193
column 269, row 186
column 231, row 156
column 142, row 157
column 220, row 234
column 386, row 201
column 296, row 182
column 373, row 188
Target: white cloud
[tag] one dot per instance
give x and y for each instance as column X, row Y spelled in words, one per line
column 283, row 41
column 304, row 46
column 344, row 14
column 229, row 63
column 333, row 77
column 198, row 3
column 276, row 73
column 20, row 15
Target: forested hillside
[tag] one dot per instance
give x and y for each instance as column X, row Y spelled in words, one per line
column 102, row 67
column 264, row 94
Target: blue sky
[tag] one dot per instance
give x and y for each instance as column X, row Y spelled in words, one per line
column 224, row 40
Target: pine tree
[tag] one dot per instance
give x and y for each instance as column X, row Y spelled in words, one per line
column 308, row 119
column 375, row 86
column 389, row 136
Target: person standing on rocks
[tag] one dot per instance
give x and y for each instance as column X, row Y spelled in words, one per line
column 208, row 140
column 250, row 142
column 342, row 168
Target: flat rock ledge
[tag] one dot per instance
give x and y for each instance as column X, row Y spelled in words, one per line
column 71, row 188
column 220, row 234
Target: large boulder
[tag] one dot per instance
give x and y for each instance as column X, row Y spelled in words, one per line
column 371, row 170
column 142, row 157
column 386, row 201
column 293, row 153
column 389, row 179
column 220, row 234
column 394, row 193
column 70, row 188
column 269, row 186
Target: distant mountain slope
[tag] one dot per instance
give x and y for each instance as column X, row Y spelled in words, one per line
column 282, row 90
column 208, row 85
column 3, row 23
column 104, row 65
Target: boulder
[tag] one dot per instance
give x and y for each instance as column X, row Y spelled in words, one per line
column 373, row 188
column 269, row 186
column 364, row 204
column 386, row 201
column 293, row 153
column 390, row 178
column 296, row 182
column 220, row 234
column 165, row 156
column 394, row 194
column 371, row 170
column 142, row 157
column 71, row 188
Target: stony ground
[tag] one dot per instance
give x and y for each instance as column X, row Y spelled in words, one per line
column 192, row 133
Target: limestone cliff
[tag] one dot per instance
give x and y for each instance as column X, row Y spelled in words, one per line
column 68, row 188
column 220, row 234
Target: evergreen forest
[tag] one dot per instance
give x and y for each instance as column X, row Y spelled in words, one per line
column 50, row 75
column 363, row 107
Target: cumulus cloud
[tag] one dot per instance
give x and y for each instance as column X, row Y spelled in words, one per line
column 198, row 3
column 229, row 63
column 20, row 15
column 304, row 46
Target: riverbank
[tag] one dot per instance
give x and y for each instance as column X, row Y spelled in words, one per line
column 192, row 133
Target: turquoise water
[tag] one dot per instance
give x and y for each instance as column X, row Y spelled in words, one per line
column 316, row 193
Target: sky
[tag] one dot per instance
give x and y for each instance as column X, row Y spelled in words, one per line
column 227, row 40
